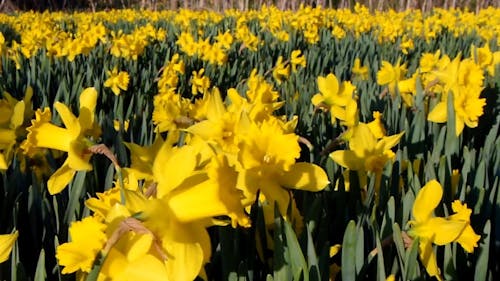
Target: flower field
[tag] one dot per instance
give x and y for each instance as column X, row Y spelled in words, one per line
column 315, row 144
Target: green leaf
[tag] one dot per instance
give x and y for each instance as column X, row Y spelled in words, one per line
column 481, row 271
column 77, row 189
column 360, row 250
column 296, row 258
column 40, row 273
column 312, row 257
column 400, row 247
column 349, row 252
column 380, row 260
column 411, row 261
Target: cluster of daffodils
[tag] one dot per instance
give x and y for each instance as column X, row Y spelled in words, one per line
column 61, row 35
column 459, row 79
column 369, row 147
column 211, row 168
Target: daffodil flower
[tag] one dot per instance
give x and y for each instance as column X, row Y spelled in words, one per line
column 267, row 155
column 87, row 240
column 334, row 97
column 74, row 139
column 438, row 230
column 360, row 71
column 367, row 153
column 199, row 82
column 297, row 59
column 281, row 70
column 390, row 75
column 14, row 115
column 117, row 81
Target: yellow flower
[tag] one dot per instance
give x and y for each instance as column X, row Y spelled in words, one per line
column 267, row 156
column 6, row 243
column 297, row 59
column 74, row 139
column 199, row 83
column 406, row 45
column 360, row 71
column 87, row 240
column 428, row 61
column 142, row 158
column 377, row 126
column 468, row 108
column 334, row 97
column 281, row 70
column 224, row 39
column 117, row 80
column 437, row 230
column 407, row 89
column 14, row 117
column 390, row 75
column 366, row 153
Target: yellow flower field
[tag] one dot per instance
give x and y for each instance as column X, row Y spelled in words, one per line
column 315, row 144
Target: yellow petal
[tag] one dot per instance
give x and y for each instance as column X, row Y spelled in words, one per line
column 146, row 267
column 215, row 106
column 70, row 121
column 88, row 100
column 428, row 258
column 47, row 135
column 275, row 193
column 305, row 176
column 185, row 262
column 388, row 142
column 87, row 239
column 427, row 200
column 440, row 230
column 328, row 86
column 6, row 243
column 60, row 179
column 207, row 129
column 362, row 140
column 172, row 166
column 139, row 246
column 348, row 159
column 438, row 113
column 17, row 118
column 7, row 138
column 459, row 124
column 317, row 99
column 468, row 239
column 3, row 163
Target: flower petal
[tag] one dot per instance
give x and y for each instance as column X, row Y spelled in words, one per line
column 439, row 113
column 468, row 239
column 362, row 140
column 427, row 200
column 428, row 258
column 185, row 262
column 304, row 176
column 60, row 179
column 348, row 159
column 69, row 119
column 441, row 230
column 6, row 243
column 88, row 100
